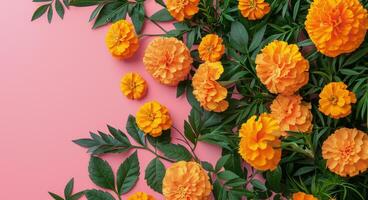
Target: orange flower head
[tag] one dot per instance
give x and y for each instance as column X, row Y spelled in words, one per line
column 153, row 118
column 210, row 94
column 168, row 60
column 133, row 86
column 336, row 26
column 182, row 9
column 140, row 196
column 346, row 152
column 282, row 68
column 186, row 180
column 335, row 100
column 303, row 196
column 260, row 144
column 292, row 113
column 211, row 48
column 253, row 9
column 121, row 39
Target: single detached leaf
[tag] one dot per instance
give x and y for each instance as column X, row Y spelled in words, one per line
column 40, row 11
column 128, row 174
column 134, row 131
column 154, row 174
column 162, row 16
column 239, row 36
column 59, row 9
column 69, row 188
column 98, row 195
column 100, row 173
column 55, row 196
column 175, row 152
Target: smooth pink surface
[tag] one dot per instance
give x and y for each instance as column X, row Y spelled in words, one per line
column 57, row 83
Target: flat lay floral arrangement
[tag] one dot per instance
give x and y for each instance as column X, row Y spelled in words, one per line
column 280, row 85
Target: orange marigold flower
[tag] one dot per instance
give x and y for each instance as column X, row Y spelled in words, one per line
column 253, row 9
column 260, row 142
column 337, row 26
column 282, row 68
column 303, row 196
column 133, row 86
column 346, row 152
column 121, row 39
column 140, row 196
column 292, row 113
column 210, row 94
column 182, row 9
column 335, row 100
column 168, row 60
column 186, row 180
column 153, row 118
column 211, row 48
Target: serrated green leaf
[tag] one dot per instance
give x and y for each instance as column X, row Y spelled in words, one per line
column 100, row 173
column 162, row 16
column 59, row 9
column 98, row 195
column 134, row 131
column 163, row 139
column 128, row 174
column 175, row 152
column 55, row 196
column 69, row 188
column 154, row 174
column 40, row 11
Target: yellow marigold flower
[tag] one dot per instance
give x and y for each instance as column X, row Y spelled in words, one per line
column 211, row 48
column 182, row 9
column 282, row 68
column 260, row 142
column 303, row 196
column 133, row 86
column 253, row 9
column 210, row 94
column 153, row 118
column 336, row 26
column 335, row 100
column 186, row 180
column 168, row 60
column 140, row 196
column 121, row 39
column 346, row 152
column 292, row 113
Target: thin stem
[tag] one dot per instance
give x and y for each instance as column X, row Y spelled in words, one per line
column 117, row 194
column 188, row 144
column 157, row 24
column 150, row 35
column 153, row 152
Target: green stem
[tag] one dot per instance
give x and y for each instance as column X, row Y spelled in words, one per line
column 188, row 144
column 150, row 35
column 157, row 24
column 294, row 147
column 153, row 152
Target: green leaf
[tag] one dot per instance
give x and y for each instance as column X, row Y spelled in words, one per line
column 100, row 173
column 98, row 195
column 77, row 196
column 154, row 174
column 69, row 188
column 221, row 162
column 190, row 38
column 111, row 12
column 137, row 16
column 59, row 9
column 83, row 3
column 181, row 88
column 55, row 196
column 162, row 16
column 66, row 3
column 258, row 184
column 296, row 9
column 356, row 56
column 239, row 36
column 95, row 12
column 134, row 131
column 128, row 174
column 175, row 152
column 160, row 2
column 257, row 38
column 273, row 179
column 304, row 170
column 207, row 166
column 189, row 133
column 41, row 0
column 349, row 72
column 163, row 139
column 49, row 14
column 40, row 11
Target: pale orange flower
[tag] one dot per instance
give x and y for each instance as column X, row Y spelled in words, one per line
column 210, row 94
column 121, row 39
column 211, row 48
column 282, row 68
column 140, row 196
column 346, row 152
column 182, row 9
column 133, row 86
column 337, row 26
column 168, row 60
column 292, row 113
column 186, row 180
column 253, row 9
column 153, row 118
column 303, row 196
column 335, row 100
column 260, row 143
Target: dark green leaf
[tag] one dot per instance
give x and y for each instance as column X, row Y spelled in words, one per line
column 55, row 196
column 191, row 37
column 40, row 11
column 77, row 196
column 239, row 35
column 175, row 152
column 98, row 195
column 160, row 2
column 134, row 131
column 128, row 174
column 69, row 188
column 66, row 3
column 83, row 3
column 162, row 16
column 349, row 72
column 181, row 88
column 304, row 170
column 111, row 12
column 273, row 179
column 154, row 174
column 41, row 0
column 49, row 14
column 189, row 133
column 59, row 9
column 356, row 56
column 296, row 9
column 137, row 17
column 96, row 11
column 101, row 173
column 257, row 38
column 258, row 184
column 163, row 139
column 207, row 166
column 221, row 162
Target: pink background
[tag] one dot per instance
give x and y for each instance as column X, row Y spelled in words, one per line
column 57, row 83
